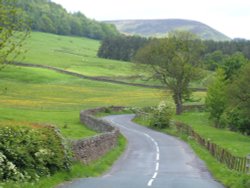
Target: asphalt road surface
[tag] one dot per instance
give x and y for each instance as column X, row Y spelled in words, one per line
column 152, row 159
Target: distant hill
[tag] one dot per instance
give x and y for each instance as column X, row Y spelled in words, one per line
column 161, row 27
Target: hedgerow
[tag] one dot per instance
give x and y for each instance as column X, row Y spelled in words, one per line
column 30, row 152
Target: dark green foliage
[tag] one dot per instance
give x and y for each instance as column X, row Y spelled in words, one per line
column 216, row 97
column 233, row 63
column 50, row 17
column 229, row 63
column 213, row 60
column 228, row 99
column 30, row 152
column 236, row 120
column 229, row 47
column 121, row 47
column 239, row 100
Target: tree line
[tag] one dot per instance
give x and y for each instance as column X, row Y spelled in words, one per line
column 121, row 47
column 47, row 16
column 124, row 48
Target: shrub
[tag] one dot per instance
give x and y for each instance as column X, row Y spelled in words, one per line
column 161, row 115
column 236, row 121
column 28, row 153
column 8, row 170
column 216, row 97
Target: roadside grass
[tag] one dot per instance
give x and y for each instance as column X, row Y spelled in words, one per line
column 236, row 143
column 229, row 178
column 78, row 170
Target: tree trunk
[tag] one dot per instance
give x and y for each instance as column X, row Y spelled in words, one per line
column 179, row 108
column 178, row 103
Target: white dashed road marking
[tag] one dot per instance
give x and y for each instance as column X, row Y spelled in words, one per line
column 150, row 182
column 157, row 164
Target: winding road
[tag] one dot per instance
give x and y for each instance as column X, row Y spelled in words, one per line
column 152, row 159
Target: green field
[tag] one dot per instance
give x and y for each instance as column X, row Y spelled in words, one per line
column 79, row 55
column 45, row 96
column 38, row 95
column 72, row 54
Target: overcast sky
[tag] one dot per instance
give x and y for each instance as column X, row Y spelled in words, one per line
column 231, row 17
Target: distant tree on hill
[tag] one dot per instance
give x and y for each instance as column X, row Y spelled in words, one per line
column 13, row 29
column 175, row 61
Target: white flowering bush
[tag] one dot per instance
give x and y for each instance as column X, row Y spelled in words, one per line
column 30, row 152
column 8, row 170
column 162, row 114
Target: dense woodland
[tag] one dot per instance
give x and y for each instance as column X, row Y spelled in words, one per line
column 50, row 17
column 124, row 48
column 121, row 47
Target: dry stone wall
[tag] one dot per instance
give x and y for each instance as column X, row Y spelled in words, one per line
column 90, row 149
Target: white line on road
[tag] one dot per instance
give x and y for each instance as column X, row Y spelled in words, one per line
column 157, row 167
column 157, row 156
column 150, row 182
column 155, row 175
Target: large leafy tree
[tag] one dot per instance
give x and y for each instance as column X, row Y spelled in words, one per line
column 174, row 61
column 13, row 29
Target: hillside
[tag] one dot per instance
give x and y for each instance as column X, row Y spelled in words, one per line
column 45, row 96
column 160, row 28
column 47, row 16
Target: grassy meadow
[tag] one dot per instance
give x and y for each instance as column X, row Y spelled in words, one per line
column 44, row 96
column 73, row 54
column 79, row 55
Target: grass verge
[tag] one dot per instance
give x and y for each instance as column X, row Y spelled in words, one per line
column 78, row 170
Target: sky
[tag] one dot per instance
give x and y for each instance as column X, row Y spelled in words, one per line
column 231, row 17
